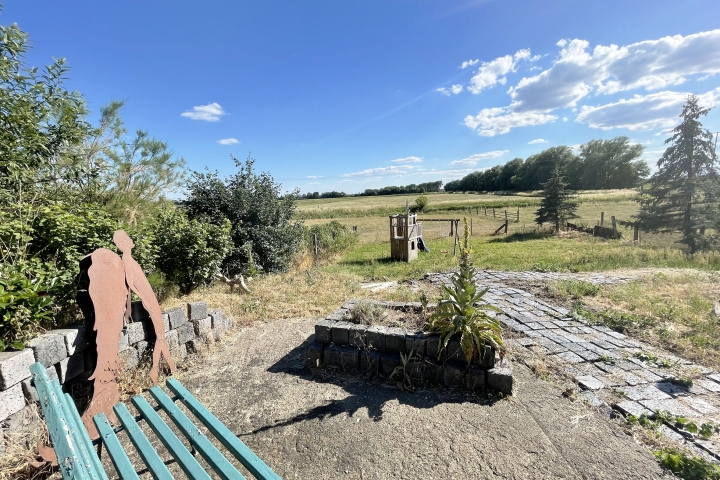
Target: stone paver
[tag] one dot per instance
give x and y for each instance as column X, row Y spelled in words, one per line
column 601, row 360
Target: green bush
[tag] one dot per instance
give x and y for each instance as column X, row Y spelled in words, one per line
column 189, row 251
column 332, row 238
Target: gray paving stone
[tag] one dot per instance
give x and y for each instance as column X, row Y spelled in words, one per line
column 375, row 336
column 551, row 346
column 714, row 377
column 526, row 341
column 339, row 333
column 71, row 367
column 123, row 342
column 627, row 366
column 197, row 310
column 628, row 407
column 570, row 357
column 74, row 337
column 589, row 383
column 500, row 378
column 607, row 367
column 647, row 375
column 137, row 331
column 633, row 380
column 698, row 404
column 203, row 329
column 323, row 331
column 669, row 405
column 176, row 317
column 611, row 380
column 14, row 367
column 172, row 339
column 709, row 385
column 644, row 392
column 185, row 333
column 672, row 389
column 588, row 356
column 592, row 399
column 166, row 321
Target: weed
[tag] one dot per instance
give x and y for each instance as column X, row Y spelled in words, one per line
column 648, row 357
column 685, row 466
column 403, row 369
column 573, row 288
column 368, row 312
column 547, row 266
column 619, row 321
column 606, row 359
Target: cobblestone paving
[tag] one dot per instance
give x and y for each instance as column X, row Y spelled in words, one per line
column 604, row 363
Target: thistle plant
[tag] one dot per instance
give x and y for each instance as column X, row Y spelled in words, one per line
column 463, row 312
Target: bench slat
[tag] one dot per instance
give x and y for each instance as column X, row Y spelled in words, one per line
column 118, row 456
column 212, row 455
column 82, row 434
column 147, row 452
column 68, row 448
column 246, row 456
column 187, row 462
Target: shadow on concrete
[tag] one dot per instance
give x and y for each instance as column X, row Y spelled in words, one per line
column 372, row 394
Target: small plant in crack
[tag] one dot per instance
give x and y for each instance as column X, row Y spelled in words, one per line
column 403, row 371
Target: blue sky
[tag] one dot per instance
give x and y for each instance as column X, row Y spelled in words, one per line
column 332, row 95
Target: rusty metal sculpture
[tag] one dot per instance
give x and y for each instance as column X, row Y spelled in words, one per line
column 112, row 280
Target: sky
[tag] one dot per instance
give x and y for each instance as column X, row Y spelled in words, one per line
column 330, row 95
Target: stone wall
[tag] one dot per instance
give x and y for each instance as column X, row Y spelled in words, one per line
column 376, row 350
column 66, row 356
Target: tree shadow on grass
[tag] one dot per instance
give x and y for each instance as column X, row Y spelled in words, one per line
column 366, row 262
column 521, row 237
column 370, row 394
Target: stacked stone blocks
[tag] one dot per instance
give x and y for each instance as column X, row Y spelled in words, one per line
column 376, row 350
column 66, row 356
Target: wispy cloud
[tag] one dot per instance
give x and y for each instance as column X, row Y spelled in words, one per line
column 228, row 141
column 469, row 63
column 381, row 171
column 407, row 160
column 313, row 176
column 496, row 121
column 209, row 113
column 452, row 90
column 474, row 159
column 536, row 141
column 493, row 72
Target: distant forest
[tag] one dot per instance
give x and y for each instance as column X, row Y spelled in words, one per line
column 601, row 164
column 393, row 190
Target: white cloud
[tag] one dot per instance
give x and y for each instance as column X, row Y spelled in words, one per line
column 381, row 171
column 494, row 121
column 228, row 141
column 536, row 141
column 313, row 176
column 650, row 64
column 210, row 112
column 468, row 63
column 407, row 160
column 491, row 73
column 657, row 110
column 453, row 90
column 474, row 159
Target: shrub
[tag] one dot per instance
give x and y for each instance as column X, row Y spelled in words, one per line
column 189, row 251
column 463, row 311
column 421, row 201
column 331, row 237
column 260, row 216
column 573, row 288
column 367, row 312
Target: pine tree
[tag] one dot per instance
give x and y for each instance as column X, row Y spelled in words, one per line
column 684, row 193
column 557, row 205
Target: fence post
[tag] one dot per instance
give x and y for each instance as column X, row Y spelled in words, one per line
column 636, row 234
column 506, row 216
column 602, row 218
column 471, row 226
column 506, row 225
column 493, row 212
column 315, row 243
column 485, row 211
column 614, row 225
column 518, row 216
column 451, row 228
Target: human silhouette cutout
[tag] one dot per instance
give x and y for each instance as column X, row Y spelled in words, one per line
column 112, row 279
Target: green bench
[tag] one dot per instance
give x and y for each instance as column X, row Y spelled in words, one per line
column 77, row 456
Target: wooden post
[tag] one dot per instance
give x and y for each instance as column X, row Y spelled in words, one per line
column 315, row 243
column 636, row 233
column 523, row 228
column 471, row 226
column 456, row 236
column 602, row 218
column 493, row 212
column 506, row 225
column 485, row 211
column 614, row 225
column 477, row 211
column 518, row 216
column 451, row 228
column 506, row 216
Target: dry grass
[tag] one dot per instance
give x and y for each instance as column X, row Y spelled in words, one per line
column 21, row 445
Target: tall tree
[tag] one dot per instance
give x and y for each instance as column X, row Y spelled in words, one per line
column 557, row 205
column 684, row 193
column 611, row 164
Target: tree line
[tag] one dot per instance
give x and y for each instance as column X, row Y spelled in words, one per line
column 600, row 165
column 428, row 187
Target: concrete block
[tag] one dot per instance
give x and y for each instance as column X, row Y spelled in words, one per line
column 338, row 315
column 415, row 343
column 71, row 367
column 172, row 340
column 143, row 349
column 216, row 317
column 185, row 333
column 356, row 335
column 129, row 358
column 375, row 337
column 203, row 329
column 395, row 340
column 432, row 372
column 500, row 379
column 350, row 359
column 314, row 355
column 589, row 382
column 218, row 332
column 228, row 321
column 432, row 348
column 28, row 385
column 48, row 348
column 197, row 310
column 629, row 407
column 487, row 359
column 14, row 367
column 453, row 374
column 124, row 342
column 323, row 333
column 339, row 332
column 74, row 338
column 137, row 331
column 370, row 362
column 388, row 363
column 454, row 352
column 475, row 378
column 331, row 356
column 166, row 321
column 12, row 401
column 176, row 317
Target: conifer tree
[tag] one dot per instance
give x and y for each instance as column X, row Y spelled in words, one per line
column 557, row 205
column 683, row 194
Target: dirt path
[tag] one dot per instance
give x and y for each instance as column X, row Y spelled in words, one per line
column 319, row 425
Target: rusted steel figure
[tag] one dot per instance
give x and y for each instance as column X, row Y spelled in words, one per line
column 112, row 279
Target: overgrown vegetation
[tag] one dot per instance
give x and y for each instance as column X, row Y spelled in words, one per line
column 573, row 289
column 463, row 313
column 329, row 239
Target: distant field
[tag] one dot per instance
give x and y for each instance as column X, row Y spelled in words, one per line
column 439, row 202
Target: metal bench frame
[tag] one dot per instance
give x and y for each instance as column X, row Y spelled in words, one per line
column 78, row 459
